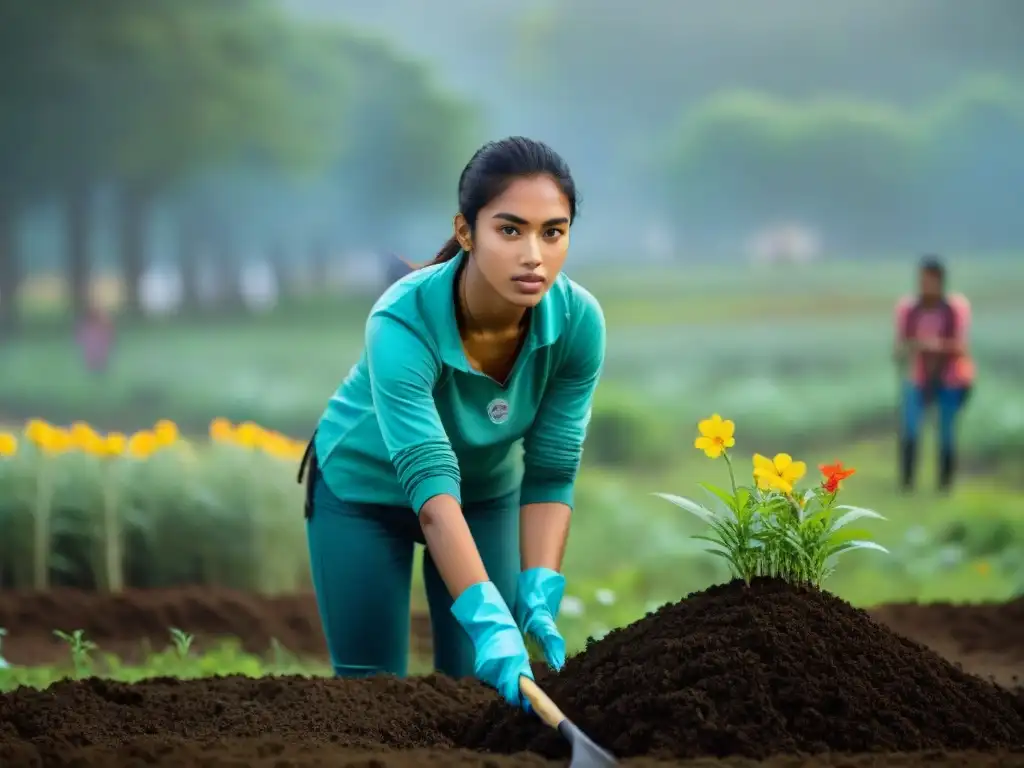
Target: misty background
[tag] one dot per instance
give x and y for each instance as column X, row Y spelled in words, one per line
column 201, row 199
column 138, row 133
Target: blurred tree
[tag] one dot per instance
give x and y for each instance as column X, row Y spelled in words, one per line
column 42, row 150
column 869, row 175
column 976, row 166
column 407, row 141
column 148, row 95
column 74, row 138
column 854, row 169
column 390, row 140
column 743, row 161
column 206, row 85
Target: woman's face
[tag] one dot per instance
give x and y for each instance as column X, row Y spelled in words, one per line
column 521, row 239
column 930, row 285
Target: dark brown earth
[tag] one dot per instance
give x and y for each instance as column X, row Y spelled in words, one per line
column 987, row 639
column 763, row 670
column 733, row 676
column 131, row 623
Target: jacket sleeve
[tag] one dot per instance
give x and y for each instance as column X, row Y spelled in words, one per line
column 403, row 372
column 553, row 446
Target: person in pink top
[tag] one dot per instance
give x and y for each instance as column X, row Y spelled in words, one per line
column 95, row 337
column 932, row 349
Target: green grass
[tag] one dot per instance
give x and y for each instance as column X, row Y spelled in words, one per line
column 175, row 660
column 788, row 350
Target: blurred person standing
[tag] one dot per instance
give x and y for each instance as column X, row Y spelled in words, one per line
column 95, row 338
column 935, row 367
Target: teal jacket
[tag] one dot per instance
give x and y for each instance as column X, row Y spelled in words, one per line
column 413, row 420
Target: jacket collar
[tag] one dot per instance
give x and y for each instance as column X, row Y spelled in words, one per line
column 545, row 320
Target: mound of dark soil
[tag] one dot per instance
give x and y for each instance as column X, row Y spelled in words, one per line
column 762, row 670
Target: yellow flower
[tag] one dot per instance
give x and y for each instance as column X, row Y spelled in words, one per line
column 142, row 444
column 298, row 450
column 779, row 474
column 115, row 444
column 249, row 435
column 85, row 439
column 166, row 432
column 8, row 445
column 56, row 441
column 38, row 431
column 276, row 445
column 221, row 430
column 716, row 435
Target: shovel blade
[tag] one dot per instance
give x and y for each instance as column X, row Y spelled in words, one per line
column 585, row 753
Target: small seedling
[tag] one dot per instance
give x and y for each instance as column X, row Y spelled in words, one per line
column 182, row 642
column 283, row 659
column 80, row 649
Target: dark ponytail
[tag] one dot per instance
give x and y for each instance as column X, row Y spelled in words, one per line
column 489, row 172
column 448, row 252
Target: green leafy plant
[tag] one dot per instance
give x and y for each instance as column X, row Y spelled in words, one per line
column 770, row 528
column 80, row 650
column 182, row 642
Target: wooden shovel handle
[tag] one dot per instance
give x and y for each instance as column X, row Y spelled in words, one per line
column 545, row 708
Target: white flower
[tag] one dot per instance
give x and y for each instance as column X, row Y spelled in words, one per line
column 605, row 596
column 571, row 606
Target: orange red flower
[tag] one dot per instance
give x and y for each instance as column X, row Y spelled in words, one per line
column 833, row 475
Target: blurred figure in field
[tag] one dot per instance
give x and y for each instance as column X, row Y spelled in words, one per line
column 936, row 368
column 95, row 338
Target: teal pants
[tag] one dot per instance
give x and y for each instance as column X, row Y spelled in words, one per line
column 361, row 557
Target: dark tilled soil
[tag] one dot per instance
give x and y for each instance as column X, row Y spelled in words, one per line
column 731, row 676
column 972, row 630
column 761, row 670
column 123, row 623
column 299, row 723
column 986, row 638
column 146, row 616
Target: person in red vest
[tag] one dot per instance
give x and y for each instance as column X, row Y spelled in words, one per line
column 932, row 348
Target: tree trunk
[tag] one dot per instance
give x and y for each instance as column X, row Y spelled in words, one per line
column 320, row 267
column 79, row 265
column 10, row 269
column 278, row 257
column 229, row 270
column 189, row 244
column 135, row 201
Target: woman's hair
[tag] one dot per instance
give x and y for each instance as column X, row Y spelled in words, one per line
column 496, row 165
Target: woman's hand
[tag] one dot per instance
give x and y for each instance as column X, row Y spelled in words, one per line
column 543, row 530
column 538, row 597
column 501, row 657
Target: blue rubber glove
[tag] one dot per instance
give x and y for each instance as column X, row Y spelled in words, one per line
column 538, row 598
column 501, row 655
